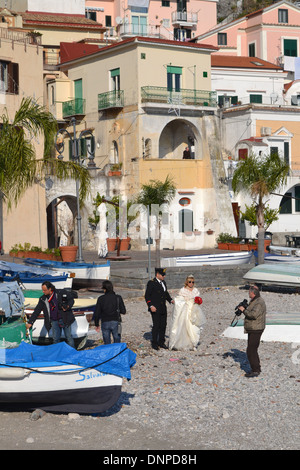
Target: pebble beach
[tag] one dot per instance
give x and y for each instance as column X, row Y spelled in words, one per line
column 184, row 400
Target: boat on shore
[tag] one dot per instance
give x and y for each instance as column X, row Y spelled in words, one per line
column 219, row 259
column 33, row 277
column 57, row 378
column 277, row 274
column 283, row 327
column 86, row 274
column 83, row 310
column 279, row 257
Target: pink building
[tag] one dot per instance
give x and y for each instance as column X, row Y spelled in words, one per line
column 166, row 19
column 272, row 34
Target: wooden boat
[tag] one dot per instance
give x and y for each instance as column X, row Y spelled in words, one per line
column 83, row 310
column 57, row 378
column 283, row 327
column 86, row 274
column 32, row 278
column 222, row 259
column 278, row 274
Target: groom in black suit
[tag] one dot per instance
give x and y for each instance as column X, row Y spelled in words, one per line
column 156, row 296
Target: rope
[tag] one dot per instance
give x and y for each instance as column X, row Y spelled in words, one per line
column 66, row 373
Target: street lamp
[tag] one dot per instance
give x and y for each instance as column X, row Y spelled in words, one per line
column 75, row 155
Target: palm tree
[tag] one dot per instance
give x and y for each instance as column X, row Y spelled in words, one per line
column 157, row 193
column 18, row 163
column 260, row 176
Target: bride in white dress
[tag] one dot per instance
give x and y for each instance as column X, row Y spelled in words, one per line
column 187, row 318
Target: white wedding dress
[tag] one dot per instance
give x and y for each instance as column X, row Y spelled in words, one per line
column 187, row 320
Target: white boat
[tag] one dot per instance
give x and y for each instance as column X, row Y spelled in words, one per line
column 86, row 274
column 270, row 258
column 58, row 378
column 222, row 259
column 287, row 250
column 83, row 310
column 33, row 277
column 283, row 327
column 278, row 274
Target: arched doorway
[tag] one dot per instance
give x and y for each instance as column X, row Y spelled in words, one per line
column 177, row 135
column 61, row 217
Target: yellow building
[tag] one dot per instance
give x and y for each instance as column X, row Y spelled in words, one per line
column 146, row 100
column 21, row 66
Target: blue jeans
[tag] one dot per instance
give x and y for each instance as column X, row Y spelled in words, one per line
column 108, row 328
column 56, row 333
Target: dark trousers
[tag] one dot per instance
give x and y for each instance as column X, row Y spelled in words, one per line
column 159, row 327
column 252, row 347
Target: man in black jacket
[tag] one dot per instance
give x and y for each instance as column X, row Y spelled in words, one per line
column 56, row 305
column 108, row 309
column 156, row 296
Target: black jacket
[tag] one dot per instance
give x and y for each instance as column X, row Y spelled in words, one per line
column 64, row 298
column 156, row 296
column 106, row 308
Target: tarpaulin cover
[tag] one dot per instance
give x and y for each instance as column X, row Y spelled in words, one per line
column 11, row 298
column 114, row 359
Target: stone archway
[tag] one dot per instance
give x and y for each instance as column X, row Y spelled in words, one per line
column 175, row 136
column 61, row 214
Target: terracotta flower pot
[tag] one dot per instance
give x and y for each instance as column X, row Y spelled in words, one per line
column 111, row 244
column 124, row 246
column 68, row 253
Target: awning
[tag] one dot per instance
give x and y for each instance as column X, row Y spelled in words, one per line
column 138, row 3
column 94, row 8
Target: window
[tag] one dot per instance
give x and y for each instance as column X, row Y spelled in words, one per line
column 165, row 3
column 9, row 77
column 297, row 198
column 283, row 16
column 107, row 21
column 173, row 78
column 273, row 151
column 115, row 79
column 256, row 99
column 252, row 50
column 181, row 34
column 91, row 15
column 139, row 24
column 222, row 39
column 185, row 220
column 286, row 204
column 290, row 47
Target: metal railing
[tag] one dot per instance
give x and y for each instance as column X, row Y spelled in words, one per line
column 184, row 17
column 183, row 97
column 73, row 107
column 111, row 99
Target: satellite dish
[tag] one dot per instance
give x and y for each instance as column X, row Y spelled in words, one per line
column 119, row 20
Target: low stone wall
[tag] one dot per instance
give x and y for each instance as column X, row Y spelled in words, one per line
column 206, row 276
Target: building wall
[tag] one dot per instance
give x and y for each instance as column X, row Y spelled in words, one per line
column 17, row 226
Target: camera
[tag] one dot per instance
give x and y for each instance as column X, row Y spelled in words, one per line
column 244, row 304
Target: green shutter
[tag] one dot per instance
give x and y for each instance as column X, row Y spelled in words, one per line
column 297, row 200
column 115, row 72
column 173, row 69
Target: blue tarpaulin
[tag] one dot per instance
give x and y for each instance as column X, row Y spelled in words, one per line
column 114, row 359
column 11, row 298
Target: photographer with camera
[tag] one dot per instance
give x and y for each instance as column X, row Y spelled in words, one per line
column 254, row 325
column 56, row 305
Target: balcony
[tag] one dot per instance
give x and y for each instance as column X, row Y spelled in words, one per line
column 74, row 107
column 187, row 97
column 111, row 99
column 183, row 18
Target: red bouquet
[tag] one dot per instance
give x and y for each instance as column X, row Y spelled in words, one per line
column 198, row 300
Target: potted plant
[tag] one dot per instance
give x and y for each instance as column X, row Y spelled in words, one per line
column 115, row 170
column 223, row 240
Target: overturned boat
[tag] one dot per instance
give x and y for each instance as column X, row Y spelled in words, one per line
column 220, row 259
column 278, row 274
column 57, row 378
column 282, row 327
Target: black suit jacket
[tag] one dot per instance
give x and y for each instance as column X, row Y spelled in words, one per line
column 156, row 296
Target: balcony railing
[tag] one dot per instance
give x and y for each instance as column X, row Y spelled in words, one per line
column 184, row 17
column 73, row 107
column 188, row 97
column 111, row 99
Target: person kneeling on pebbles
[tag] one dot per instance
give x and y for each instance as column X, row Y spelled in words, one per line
column 254, row 325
